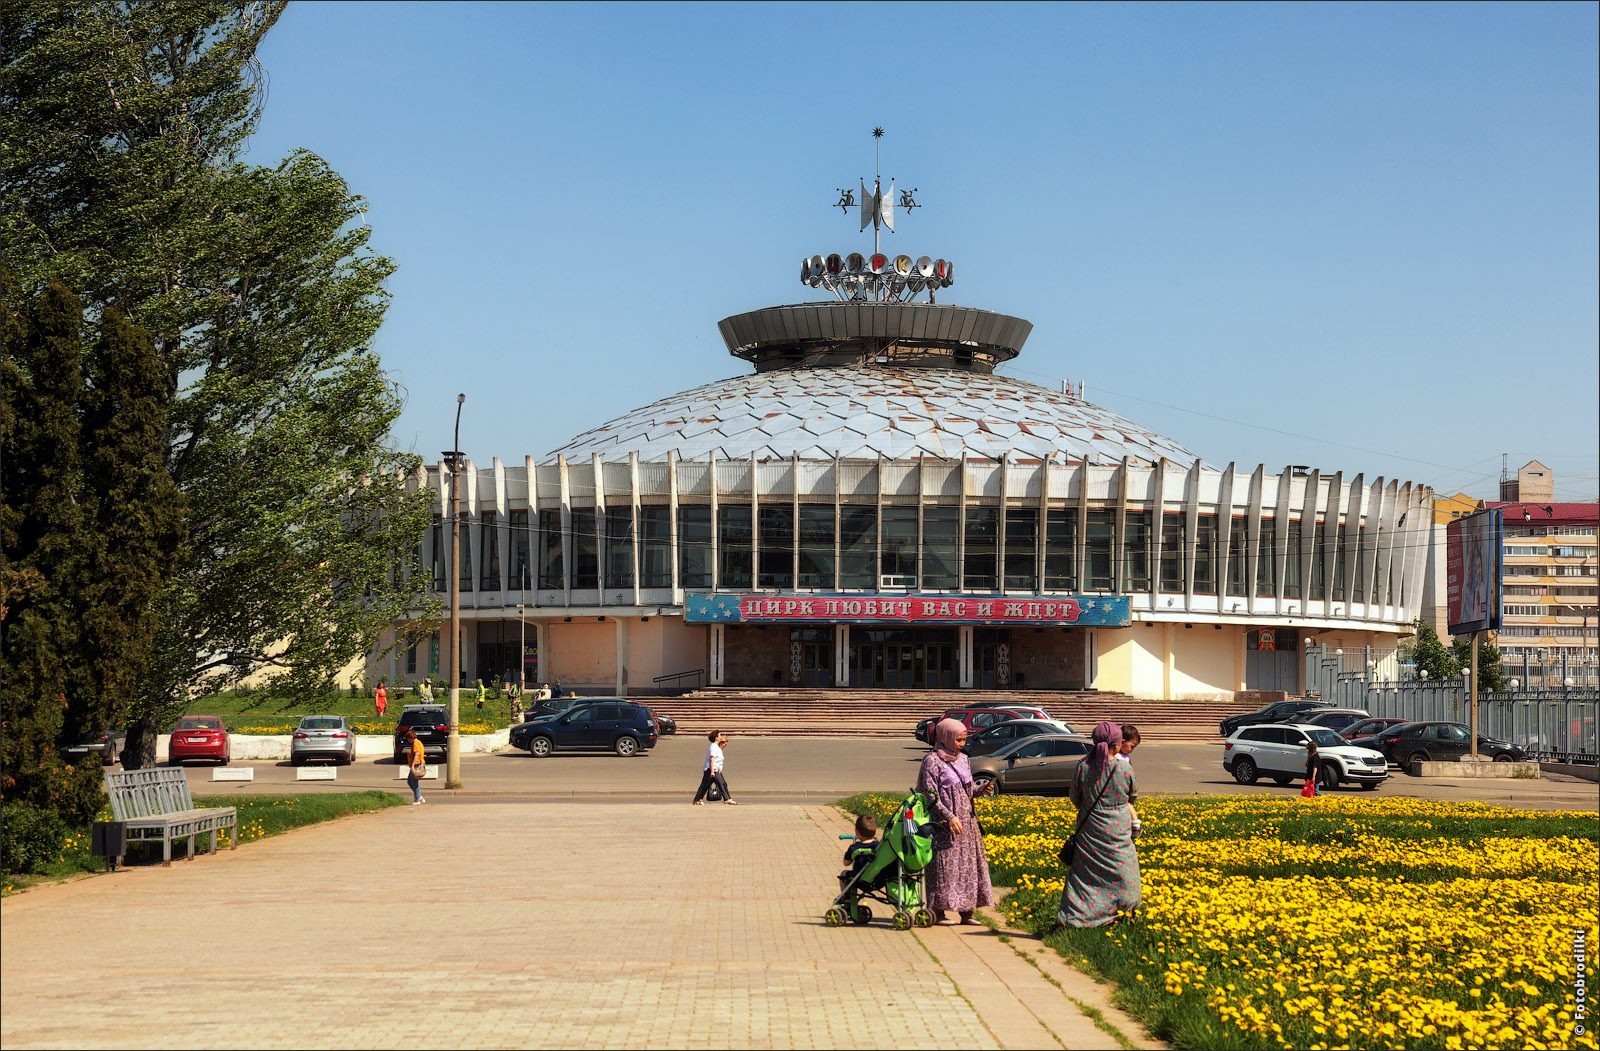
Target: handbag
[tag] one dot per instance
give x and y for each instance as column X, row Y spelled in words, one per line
column 1069, row 848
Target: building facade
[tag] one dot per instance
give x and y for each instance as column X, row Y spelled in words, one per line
column 1549, row 623
column 874, row 506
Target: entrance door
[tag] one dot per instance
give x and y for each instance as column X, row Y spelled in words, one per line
column 900, row 665
column 1275, row 667
column 939, row 666
column 816, row 664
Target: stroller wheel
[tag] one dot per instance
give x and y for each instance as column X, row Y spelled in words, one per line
column 834, row 917
column 922, row 918
column 861, row 915
column 902, row 920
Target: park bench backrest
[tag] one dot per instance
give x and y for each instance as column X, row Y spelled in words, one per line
column 147, row 793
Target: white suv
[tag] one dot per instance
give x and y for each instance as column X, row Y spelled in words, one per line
column 1279, row 751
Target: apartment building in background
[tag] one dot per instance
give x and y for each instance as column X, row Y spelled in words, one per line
column 1550, row 623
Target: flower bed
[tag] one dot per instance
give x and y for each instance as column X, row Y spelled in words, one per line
column 1339, row 922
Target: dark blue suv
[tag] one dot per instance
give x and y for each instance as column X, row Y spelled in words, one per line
column 610, row 723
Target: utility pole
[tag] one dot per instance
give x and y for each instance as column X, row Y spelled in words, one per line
column 453, row 755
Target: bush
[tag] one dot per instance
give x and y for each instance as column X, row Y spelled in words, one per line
column 29, row 837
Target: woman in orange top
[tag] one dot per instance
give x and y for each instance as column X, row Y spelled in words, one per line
column 381, row 697
column 418, row 763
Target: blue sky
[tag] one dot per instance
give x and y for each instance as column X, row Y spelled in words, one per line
column 1359, row 237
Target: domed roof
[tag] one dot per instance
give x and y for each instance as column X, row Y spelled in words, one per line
column 870, row 411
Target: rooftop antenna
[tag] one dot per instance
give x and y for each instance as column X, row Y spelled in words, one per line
column 877, row 278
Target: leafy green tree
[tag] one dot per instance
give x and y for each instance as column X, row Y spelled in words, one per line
column 92, row 530
column 125, row 126
column 1429, row 654
column 1491, row 675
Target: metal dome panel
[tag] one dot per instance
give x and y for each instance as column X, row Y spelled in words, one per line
column 869, row 412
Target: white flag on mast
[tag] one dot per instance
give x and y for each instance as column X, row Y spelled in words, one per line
column 869, row 205
column 886, row 207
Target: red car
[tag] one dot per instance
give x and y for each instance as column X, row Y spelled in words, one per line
column 199, row 737
column 977, row 718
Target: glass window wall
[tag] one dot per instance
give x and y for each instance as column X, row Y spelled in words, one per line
column 816, row 546
column 1098, row 550
column 521, row 545
column 939, row 525
column 1267, row 561
column 1205, row 555
column 1138, row 528
column 858, row 542
column 733, row 546
column 1061, row 531
column 983, row 525
column 1022, row 548
column 585, row 548
column 694, row 546
column 552, row 567
column 619, row 547
column 899, row 556
column 1238, row 544
column 1172, row 552
column 655, row 547
column 777, row 547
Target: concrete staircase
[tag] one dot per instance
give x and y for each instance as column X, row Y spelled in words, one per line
column 812, row 712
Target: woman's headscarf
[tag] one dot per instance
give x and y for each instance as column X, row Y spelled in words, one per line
column 1107, row 736
column 944, row 738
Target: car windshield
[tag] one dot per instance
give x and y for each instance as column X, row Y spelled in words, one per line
column 321, row 722
column 421, row 716
column 197, row 724
column 1325, row 738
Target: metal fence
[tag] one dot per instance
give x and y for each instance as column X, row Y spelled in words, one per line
column 1555, row 724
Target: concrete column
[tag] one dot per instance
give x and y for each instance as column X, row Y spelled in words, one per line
column 541, row 642
column 841, row 654
column 1239, row 656
column 964, row 656
column 714, row 673
column 622, row 655
column 1169, row 663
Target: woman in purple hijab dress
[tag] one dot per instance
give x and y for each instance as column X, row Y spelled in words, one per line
column 958, row 876
column 1104, row 880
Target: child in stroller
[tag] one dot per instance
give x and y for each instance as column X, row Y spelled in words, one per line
column 892, row 872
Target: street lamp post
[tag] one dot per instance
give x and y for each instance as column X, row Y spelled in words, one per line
column 522, row 653
column 453, row 755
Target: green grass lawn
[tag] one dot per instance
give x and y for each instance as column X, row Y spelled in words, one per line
column 260, row 713
column 259, row 817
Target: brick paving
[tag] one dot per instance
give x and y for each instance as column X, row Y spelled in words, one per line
column 565, row 924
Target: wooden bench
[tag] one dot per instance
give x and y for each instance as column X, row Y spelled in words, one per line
column 154, row 803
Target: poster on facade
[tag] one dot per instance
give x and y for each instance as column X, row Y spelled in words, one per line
column 1112, row 611
column 1473, row 570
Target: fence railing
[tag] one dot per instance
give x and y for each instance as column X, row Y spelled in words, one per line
column 1554, row 723
column 676, row 677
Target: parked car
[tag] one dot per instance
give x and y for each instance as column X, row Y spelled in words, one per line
column 553, row 706
column 996, row 736
column 1336, row 719
column 1277, row 712
column 1279, row 751
column 611, row 722
column 977, row 716
column 199, row 737
column 1442, row 742
column 323, row 737
column 666, row 726
column 432, row 724
column 107, row 745
column 1042, row 763
column 1369, row 728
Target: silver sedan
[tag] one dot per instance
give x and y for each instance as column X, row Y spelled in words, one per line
column 323, row 737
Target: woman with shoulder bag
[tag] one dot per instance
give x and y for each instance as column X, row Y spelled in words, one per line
column 1103, row 876
column 958, row 875
column 417, row 761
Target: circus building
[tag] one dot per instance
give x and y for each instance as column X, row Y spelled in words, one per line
column 871, row 505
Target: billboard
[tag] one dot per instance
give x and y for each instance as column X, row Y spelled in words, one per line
column 1096, row 610
column 1473, row 569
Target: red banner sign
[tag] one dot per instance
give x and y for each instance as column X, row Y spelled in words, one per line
column 1109, row 610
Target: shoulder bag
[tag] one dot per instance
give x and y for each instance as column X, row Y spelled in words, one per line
column 1069, row 849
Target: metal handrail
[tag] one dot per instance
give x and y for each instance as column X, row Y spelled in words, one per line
column 696, row 672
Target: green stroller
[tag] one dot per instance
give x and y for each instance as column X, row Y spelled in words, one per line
column 894, row 873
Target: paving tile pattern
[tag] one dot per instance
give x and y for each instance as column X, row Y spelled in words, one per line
column 566, row 925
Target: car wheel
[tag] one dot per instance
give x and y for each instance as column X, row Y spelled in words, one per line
column 1368, row 786
column 1244, row 771
column 111, row 756
column 1280, row 779
column 539, row 747
column 1329, row 777
column 1416, row 757
column 982, row 782
column 1503, row 757
column 626, row 746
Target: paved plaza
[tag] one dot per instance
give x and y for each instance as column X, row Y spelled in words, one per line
column 505, row 924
